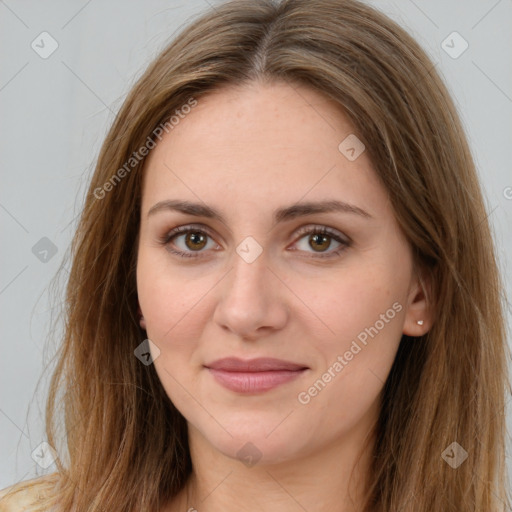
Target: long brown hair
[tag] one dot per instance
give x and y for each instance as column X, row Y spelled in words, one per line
column 126, row 444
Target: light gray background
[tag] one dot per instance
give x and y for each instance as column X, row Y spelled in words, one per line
column 56, row 111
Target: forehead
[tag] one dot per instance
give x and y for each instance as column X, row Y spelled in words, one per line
column 256, row 143
column 254, row 116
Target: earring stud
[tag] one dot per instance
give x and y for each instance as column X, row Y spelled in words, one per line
column 420, row 322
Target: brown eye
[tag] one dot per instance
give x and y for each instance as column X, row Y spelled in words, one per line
column 195, row 240
column 188, row 241
column 320, row 242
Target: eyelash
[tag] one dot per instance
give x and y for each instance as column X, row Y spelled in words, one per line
column 316, row 230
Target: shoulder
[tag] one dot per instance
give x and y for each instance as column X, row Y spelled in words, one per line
column 20, row 496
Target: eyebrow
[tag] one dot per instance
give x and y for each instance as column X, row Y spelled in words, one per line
column 279, row 215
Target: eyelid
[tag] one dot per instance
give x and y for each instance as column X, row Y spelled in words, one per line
column 185, row 229
column 300, row 231
column 338, row 236
column 312, row 228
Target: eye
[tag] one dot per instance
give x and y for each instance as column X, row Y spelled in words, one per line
column 321, row 237
column 191, row 240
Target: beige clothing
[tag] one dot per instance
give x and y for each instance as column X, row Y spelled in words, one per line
column 19, row 501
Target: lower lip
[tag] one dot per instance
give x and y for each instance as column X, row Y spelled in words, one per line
column 254, row 382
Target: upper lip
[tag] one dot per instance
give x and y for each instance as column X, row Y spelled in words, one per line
column 260, row 364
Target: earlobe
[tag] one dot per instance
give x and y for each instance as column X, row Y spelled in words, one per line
column 142, row 321
column 418, row 320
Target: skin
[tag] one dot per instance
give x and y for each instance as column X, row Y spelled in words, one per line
column 247, row 151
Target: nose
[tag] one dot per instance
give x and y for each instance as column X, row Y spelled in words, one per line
column 252, row 300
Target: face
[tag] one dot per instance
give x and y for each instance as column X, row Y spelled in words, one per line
column 330, row 291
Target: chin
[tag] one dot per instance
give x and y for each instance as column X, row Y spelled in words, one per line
column 252, row 445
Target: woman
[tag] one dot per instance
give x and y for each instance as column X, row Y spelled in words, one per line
column 284, row 292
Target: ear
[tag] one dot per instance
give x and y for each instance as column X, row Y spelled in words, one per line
column 419, row 307
column 142, row 322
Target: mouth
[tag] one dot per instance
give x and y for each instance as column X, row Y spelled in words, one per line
column 254, row 375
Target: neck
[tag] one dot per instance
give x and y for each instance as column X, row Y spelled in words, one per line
column 333, row 477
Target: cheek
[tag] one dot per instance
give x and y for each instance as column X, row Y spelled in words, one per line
column 172, row 312
column 354, row 362
column 353, row 301
column 176, row 309
column 166, row 296
column 364, row 313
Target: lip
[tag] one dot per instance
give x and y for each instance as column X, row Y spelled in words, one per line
column 254, row 375
column 259, row 364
